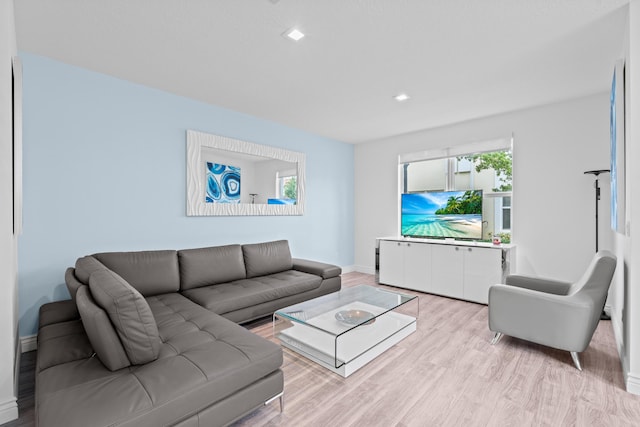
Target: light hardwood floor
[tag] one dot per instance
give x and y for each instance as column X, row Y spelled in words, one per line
column 444, row 374
column 447, row 374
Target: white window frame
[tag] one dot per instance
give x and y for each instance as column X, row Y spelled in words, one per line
column 499, row 212
column 499, row 144
column 280, row 181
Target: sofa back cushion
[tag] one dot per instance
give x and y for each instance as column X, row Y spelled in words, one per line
column 85, row 266
column 261, row 259
column 210, row 266
column 150, row 272
column 102, row 336
column 75, row 278
column 129, row 313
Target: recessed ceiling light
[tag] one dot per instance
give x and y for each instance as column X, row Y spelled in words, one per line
column 401, row 97
column 294, row 34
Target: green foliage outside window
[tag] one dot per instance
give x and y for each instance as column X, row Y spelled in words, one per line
column 291, row 188
column 500, row 161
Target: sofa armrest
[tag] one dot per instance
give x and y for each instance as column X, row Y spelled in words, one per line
column 324, row 270
column 549, row 286
column 57, row 312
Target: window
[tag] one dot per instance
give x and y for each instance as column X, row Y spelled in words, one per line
column 287, row 187
column 503, row 214
column 485, row 166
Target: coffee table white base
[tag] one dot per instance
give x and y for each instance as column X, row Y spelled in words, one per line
column 349, row 352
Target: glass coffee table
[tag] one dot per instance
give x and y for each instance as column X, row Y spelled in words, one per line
column 345, row 330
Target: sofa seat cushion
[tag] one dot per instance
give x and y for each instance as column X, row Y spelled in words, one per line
column 62, row 342
column 227, row 297
column 204, row 359
column 216, row 346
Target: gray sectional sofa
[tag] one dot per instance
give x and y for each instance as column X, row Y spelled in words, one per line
column 152, row 338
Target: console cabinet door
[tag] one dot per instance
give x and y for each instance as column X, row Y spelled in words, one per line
column 417, row 268
column 482, row 268
column 405, row 264
column 447, row 274
column 463, row 272
column 391, row 263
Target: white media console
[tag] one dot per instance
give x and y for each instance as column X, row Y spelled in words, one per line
column 452, row 268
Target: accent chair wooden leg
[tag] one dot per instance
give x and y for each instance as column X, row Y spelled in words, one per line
column 576, row 360
column 496, row 338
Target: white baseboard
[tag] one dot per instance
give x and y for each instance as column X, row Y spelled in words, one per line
column 617, row 334
column 364, row 269
column 8, row 411
column 633, row 383
column 348, row 269
column 29, row 343
column 16, row 367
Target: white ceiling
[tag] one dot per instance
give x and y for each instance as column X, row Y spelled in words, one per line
column 457, row 59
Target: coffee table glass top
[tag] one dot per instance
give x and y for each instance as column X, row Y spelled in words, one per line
column 346, row 329
column 362, row 305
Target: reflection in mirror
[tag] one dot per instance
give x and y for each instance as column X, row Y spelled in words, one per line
column 226, row 176
column 244, row 178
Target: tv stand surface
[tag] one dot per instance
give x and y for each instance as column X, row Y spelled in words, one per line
column 453, row 268
column 448, row 241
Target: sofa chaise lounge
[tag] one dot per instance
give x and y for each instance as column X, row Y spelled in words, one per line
column 152, row 338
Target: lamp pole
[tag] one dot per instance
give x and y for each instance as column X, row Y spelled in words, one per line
column 603, row 315
column 597, row 188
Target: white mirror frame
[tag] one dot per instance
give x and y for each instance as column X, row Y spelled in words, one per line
column 196, row 205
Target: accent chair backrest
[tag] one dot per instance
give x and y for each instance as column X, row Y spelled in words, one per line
column 594, row 284
column 597, row 277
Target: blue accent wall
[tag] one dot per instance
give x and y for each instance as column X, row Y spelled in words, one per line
column 105, row 168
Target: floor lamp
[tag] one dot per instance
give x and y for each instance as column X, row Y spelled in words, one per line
column 603, row 315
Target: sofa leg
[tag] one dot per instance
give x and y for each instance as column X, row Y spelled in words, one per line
column 496, row 338
column 279, row 397
column 576, row 360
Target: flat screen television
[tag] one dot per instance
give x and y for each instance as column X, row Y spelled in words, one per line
column 442, row 214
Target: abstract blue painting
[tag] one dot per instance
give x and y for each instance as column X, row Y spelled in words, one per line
column 223, row 183
column 618, row 222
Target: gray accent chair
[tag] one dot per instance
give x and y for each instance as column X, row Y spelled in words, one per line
column 556, row 314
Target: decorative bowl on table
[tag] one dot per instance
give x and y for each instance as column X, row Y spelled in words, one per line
column 355, row 317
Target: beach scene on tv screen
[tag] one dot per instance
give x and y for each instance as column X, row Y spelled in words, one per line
column 454, row 214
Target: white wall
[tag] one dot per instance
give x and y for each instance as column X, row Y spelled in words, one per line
column 553, row 203
column 625, row 295
column 631, row 311
column 8, row 248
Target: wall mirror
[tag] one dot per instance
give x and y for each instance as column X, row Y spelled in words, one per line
column 227, row 176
